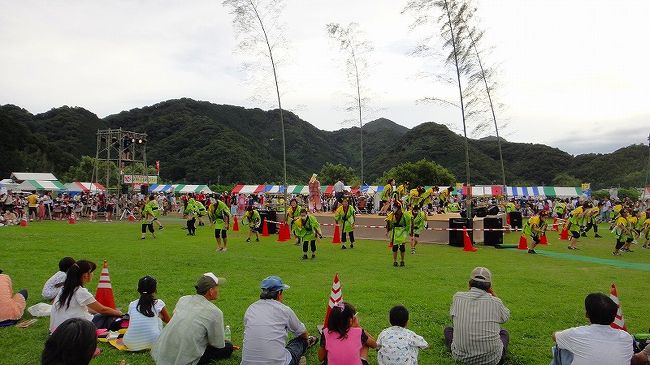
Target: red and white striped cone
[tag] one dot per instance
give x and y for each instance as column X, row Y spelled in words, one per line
column 104, row 293
column 336, row 297
column 619, row 321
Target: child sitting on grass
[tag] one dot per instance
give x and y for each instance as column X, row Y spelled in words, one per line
column 398, row 345
column 343, row 341
column 55, row 282
column 144, row 317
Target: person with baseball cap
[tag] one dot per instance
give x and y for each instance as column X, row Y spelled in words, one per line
column 195, row 334
column 476, row 336
column 266, row 326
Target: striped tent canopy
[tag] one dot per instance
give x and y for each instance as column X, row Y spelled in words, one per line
column 160, row 188
column 184, row 189
column 84, row 187
column 249, row 189
column 41, row 185
column 274, row 189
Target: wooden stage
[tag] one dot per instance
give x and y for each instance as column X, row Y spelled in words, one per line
column 371, row 226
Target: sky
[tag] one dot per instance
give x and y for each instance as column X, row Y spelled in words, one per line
column 571, row 73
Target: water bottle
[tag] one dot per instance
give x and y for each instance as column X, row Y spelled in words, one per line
column 227, row 334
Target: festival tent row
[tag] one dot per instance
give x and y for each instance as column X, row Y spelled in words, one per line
column 179, row 188
column 488, row 190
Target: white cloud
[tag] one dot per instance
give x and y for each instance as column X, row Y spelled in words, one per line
column 567, row 68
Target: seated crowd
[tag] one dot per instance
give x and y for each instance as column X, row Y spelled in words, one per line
column 195, row 333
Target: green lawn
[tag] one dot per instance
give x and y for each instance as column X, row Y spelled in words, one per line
column 544, row 293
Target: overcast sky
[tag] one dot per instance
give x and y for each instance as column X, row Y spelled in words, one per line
column 572, row 73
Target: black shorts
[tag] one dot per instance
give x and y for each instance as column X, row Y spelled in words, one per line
column 575, row 234
column 32, row 210
column 630, row 239
column 416, row 235
column 535, row 239
column 220, row 232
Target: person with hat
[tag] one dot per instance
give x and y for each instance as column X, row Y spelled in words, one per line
column 476, row 336
column 266, row 326
column 195, row 334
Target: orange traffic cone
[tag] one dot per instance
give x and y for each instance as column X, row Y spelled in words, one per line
column 543, row 240
column 235, row 225
column 337, row 234
column 72, row 219
column 131, row 218
column 283, row 233
column 467, row 242
column 555, row 226
column 336, row 297
column 104, row 293
column 24, row 222
column 523, row 243
column 507, row 219
column 565, row 234
column 265, row 228
column 619, row 321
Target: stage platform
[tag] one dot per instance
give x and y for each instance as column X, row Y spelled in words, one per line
column 372, row 226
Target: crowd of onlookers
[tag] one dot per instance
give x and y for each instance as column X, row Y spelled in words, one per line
column 195, row 333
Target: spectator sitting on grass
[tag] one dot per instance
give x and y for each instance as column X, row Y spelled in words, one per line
column 145, row 315
column 11, row 306
column 477, row 337
column 643, row 357
column 55, row 282
column 266, row 323
column 597, row 343
column 398, row 345
column 195, row 334
column 343, row 341
column 73, row 342
column 75, row 301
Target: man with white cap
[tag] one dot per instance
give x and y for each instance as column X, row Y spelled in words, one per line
column 266, row 325
column 195, row 334
column 477, row 314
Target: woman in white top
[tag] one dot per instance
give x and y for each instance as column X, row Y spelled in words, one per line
column 75, row 301
column 145, row 316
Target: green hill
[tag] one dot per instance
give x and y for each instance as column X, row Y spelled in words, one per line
column 202, row 142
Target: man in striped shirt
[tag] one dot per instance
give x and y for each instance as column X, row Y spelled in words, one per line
column 476, row 337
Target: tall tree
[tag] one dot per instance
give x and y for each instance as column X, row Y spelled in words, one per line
column 356, row 51
column 483, row 75
column 257, row 26
column 453, row 30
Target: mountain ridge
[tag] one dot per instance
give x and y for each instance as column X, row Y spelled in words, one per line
column 199, row 141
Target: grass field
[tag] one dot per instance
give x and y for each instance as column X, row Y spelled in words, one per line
column 544, row 292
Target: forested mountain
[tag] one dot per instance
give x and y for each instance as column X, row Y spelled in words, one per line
column 202, row 142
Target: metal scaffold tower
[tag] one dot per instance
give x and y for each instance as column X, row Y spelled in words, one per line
column 123, row 149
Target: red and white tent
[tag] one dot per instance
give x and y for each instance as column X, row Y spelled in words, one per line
column 84, row 187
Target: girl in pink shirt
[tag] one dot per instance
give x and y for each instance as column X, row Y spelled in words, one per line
column 343, row 341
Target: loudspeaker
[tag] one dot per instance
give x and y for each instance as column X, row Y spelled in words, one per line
column 493, row 210
column 125, row 189
column 456, row 237
column 270, row 215
column 481, row 212
column 463, row 213
column 516, row 220
column 491, row 238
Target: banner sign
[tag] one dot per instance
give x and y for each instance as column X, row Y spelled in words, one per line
column 140, row 179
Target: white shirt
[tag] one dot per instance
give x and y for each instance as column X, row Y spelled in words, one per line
column 266, row 323
column 339, row 187
column 399, row 346
column 143, row 331
column 78, row 308
column 53, row 285
column 596, row 344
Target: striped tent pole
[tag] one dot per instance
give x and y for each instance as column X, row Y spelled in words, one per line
column 104, row 293
column 336, row 297
column 619, row 321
